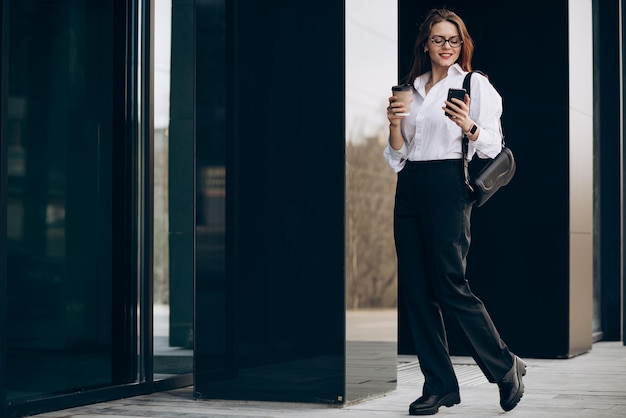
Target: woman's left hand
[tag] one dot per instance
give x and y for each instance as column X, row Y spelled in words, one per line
column 458, row 112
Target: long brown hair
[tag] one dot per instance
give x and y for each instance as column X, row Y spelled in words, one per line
column 422, row 63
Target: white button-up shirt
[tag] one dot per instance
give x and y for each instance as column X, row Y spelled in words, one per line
column 430, row 135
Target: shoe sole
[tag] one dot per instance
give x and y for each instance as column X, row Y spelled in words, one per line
column 448, row 401
column 521, row 371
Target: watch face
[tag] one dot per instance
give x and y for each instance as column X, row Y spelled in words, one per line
column 473, row 130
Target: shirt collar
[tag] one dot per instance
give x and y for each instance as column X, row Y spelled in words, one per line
column 457, row 68
column 420, row 82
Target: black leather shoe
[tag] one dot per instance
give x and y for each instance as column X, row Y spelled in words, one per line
column 429, row 405
column 511, row 385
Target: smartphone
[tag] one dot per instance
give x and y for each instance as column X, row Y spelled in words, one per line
column 456, row 93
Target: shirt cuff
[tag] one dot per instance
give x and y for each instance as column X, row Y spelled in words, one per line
column 396, row 158
column 488, row 144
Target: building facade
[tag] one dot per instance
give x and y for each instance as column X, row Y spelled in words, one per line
column 172, row 196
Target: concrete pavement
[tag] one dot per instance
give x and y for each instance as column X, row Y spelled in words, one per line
column 591, row 385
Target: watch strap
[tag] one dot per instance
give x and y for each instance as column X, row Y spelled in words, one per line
column 472, row 130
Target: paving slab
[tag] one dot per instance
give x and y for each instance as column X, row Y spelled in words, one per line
column 592, row 385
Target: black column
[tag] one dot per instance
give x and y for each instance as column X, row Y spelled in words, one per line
column 607, row 143
column 271, row 325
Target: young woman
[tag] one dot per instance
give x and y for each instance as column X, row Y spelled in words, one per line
column 433, row 208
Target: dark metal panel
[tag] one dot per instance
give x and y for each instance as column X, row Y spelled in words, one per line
column 3, row 202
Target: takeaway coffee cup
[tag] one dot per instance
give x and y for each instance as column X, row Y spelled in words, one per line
column 404, row 94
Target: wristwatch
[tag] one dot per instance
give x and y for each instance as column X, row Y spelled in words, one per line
column 472, row 130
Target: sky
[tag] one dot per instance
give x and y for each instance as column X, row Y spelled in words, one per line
column 162, row 42
column 371, row 65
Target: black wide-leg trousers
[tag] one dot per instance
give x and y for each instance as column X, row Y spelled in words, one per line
column 432, row 237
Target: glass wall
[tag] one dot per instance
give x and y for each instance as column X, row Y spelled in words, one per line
column 215, row 351
column 69, row 255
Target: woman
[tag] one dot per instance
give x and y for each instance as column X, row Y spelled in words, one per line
column 433, row 207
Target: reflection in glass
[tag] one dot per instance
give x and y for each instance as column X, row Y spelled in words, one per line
column 214, row 350
column 60, row 203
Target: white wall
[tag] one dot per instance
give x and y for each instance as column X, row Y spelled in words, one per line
column 580, row 173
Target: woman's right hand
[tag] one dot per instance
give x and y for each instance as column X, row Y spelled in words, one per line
column 393, row 109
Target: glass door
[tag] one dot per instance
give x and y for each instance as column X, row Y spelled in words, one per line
column 70, row 212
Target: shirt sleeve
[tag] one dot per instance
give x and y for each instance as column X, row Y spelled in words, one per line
column 396, row 158
column 486, row 111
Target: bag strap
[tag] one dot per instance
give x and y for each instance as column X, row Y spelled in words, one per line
column 465, row 142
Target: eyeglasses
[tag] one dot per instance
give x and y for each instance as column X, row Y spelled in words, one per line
column 454, row 42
